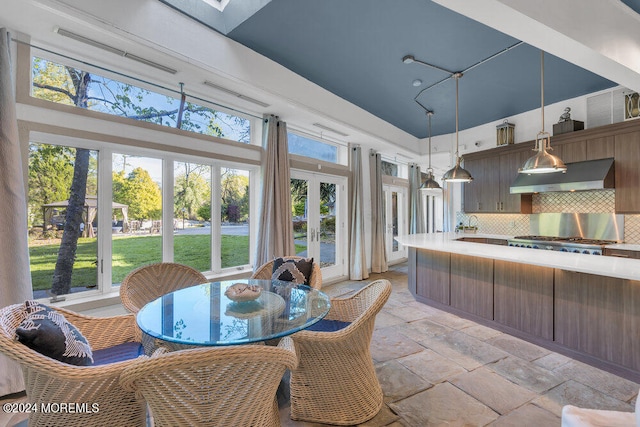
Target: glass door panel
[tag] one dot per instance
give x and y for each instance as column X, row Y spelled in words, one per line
column 395, row 212
column 326, row 232
column 299, row 213
column 318, row 210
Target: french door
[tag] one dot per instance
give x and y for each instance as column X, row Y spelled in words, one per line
column 395, row 201
column 319, row 214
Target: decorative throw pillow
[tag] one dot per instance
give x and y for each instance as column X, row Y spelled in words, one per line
column 48, row 332
column 292, row 270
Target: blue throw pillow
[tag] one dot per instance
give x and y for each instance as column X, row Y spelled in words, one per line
column 48, row 332
column 292, row 270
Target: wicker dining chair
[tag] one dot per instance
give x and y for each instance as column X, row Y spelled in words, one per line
column 265, row 271
column 335, row 381
column 146, row 283
column 213, row 386
column 50, row 383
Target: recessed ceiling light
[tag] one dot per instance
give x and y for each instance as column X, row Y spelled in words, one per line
column 417, row 82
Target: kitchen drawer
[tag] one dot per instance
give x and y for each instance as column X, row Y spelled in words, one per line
column 621, row 253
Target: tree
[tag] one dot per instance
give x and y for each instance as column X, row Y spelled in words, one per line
column 139, row 192
column 234, row 192
column 50, row 176
column 192, row 188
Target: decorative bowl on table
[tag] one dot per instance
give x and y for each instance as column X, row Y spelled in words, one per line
column 242, row 292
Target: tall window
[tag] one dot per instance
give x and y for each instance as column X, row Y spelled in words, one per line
column 63, row 244
column 63, row 84
column 192, row 215
column 234, row 215
column 136, row 225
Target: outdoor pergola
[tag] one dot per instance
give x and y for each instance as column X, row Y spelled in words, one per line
column 89, row 214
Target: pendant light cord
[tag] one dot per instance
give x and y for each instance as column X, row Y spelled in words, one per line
column 429, row 114
column 542, row 86
column 457, row 76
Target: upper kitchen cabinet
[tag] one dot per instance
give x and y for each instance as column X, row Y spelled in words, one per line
column 482, row 194
column 627, row 157
column 569, row 152
column 493, row 172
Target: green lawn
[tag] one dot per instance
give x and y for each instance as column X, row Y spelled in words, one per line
column 133, row 251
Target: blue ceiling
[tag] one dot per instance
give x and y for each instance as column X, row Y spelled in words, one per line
column 354, row 49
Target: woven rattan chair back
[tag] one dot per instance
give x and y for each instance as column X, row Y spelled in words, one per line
column 50, row 383
column 215, row 386
column 146, row 283
column 335, row 382
column 265, row 271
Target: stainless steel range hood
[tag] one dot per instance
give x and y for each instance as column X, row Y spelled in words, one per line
column 580, row 176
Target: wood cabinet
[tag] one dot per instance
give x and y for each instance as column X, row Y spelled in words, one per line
column 482, row 194
column 492, row 178
column 570, row 152
column 472, row 285
column 523, row 298
column 432, row 275
column 600, row 148
column 599, row 316
column 627, row 178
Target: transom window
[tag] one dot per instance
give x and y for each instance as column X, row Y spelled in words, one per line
column 64, row 84
column 304, row 146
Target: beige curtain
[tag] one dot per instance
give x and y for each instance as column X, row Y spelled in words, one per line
column 378, row 249
column 416, row 215
column 357, row 252
column 15, row 277
column 275, row 229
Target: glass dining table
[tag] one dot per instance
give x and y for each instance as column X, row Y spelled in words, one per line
column 202, row 315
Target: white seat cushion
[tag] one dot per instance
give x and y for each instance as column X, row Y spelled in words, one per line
column 572, row 416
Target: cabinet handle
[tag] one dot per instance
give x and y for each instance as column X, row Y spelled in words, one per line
column 479, row 206
column 497, row 206
column 501, row 206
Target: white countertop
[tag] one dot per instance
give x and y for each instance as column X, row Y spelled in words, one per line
column 623, row 268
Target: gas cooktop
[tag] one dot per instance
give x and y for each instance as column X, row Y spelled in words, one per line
column 573, row 244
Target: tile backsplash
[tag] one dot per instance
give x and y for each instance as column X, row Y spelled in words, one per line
column 601, row 201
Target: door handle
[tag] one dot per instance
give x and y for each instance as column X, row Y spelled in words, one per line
column 311, row 234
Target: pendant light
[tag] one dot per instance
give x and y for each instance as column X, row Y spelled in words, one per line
column 542, row 161
column 457, row 173
column 430, row 184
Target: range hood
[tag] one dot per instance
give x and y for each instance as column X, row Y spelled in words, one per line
column 580, row 176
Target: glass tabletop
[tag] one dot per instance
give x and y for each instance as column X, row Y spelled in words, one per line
column 203, row 315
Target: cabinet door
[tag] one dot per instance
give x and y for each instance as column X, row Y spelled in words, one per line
column 627, row 153
column 432, row 275
column 571, row 152
column 599, row 316
column 472, row 285
column 482, row 194
column 600, row 148
column 523, row 298
column 509, row 165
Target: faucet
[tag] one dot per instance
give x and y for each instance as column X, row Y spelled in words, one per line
column 469, row 221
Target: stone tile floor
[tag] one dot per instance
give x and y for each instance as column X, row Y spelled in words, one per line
column 438, row 369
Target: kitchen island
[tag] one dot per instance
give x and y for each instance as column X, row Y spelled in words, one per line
column 584, row 306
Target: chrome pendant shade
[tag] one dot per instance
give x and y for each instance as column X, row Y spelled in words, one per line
column 430, row 184
column 543, row 161
column 457, row 173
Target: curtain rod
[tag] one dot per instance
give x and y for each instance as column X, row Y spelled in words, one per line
column 134, row 78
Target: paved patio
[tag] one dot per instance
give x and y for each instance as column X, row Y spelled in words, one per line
column 438, row 369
